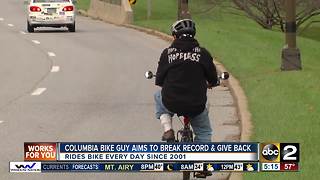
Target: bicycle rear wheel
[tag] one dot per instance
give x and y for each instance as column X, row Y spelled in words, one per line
column 186, row 175
column 186, row 136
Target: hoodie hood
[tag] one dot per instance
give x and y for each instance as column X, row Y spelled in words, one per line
column 185, row 44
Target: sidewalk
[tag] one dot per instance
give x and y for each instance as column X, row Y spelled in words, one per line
column 225, row 122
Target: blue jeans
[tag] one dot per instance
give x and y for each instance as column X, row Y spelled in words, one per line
column 200, row 123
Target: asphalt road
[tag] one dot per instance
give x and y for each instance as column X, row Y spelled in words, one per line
column 84, row 86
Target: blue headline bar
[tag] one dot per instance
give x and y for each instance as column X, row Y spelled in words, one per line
column 128, row 147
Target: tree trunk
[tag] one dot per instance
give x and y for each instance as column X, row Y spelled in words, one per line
column 183, row 9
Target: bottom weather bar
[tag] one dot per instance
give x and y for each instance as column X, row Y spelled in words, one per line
column 138, row 167
column 45, row 167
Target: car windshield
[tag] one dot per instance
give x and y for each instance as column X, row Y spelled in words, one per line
column 50, row 1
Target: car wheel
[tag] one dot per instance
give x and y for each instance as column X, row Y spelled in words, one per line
column 30, row 28
column 72, row 28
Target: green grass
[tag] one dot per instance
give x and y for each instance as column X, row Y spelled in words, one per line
column 311, row 30
column 285, row 106
column 162, row 14
column 83, row 4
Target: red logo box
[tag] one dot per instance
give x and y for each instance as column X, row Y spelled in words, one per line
column 40, row 151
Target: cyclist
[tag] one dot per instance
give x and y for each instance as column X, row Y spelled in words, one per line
column 185, row 71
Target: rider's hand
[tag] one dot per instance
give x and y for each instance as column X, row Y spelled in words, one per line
column 210, row 86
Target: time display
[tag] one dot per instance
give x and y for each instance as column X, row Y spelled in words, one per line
column 270, row 167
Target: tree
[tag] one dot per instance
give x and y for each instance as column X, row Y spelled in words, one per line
column 270, row 13
column 183, row 9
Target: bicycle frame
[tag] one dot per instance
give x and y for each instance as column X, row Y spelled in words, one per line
column 186, row 134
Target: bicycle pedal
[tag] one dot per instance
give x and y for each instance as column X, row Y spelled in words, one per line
column 168, row 140
column 202, row 174
column 171, row 141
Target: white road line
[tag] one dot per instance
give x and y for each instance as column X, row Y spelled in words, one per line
column 1, row 19
column 38, row 91
column 22, row 32
column 36, row 42
column 51, row 54
column 55, row 69
column 1, row 122
column 10, row 25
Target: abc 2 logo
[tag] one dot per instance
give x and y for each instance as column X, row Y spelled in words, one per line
column 279, row 152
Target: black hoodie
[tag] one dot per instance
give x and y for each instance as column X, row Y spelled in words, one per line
column 183, row 72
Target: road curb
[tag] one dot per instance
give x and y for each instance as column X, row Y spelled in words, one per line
column 82, row 12
column 242, row 110
column 237, row 92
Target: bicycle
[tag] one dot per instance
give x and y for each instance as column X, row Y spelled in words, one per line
column 186, row 133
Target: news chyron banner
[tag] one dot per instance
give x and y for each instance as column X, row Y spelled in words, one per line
column 157, row 157
column 142, row 152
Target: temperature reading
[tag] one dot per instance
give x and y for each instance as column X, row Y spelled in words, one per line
column 289, row 167
column 158, row 166
column 198, row 166
column 238, row 166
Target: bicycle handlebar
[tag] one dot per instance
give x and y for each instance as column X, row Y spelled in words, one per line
column 222, row 76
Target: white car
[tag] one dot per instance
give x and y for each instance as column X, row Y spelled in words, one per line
column 51, row 13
